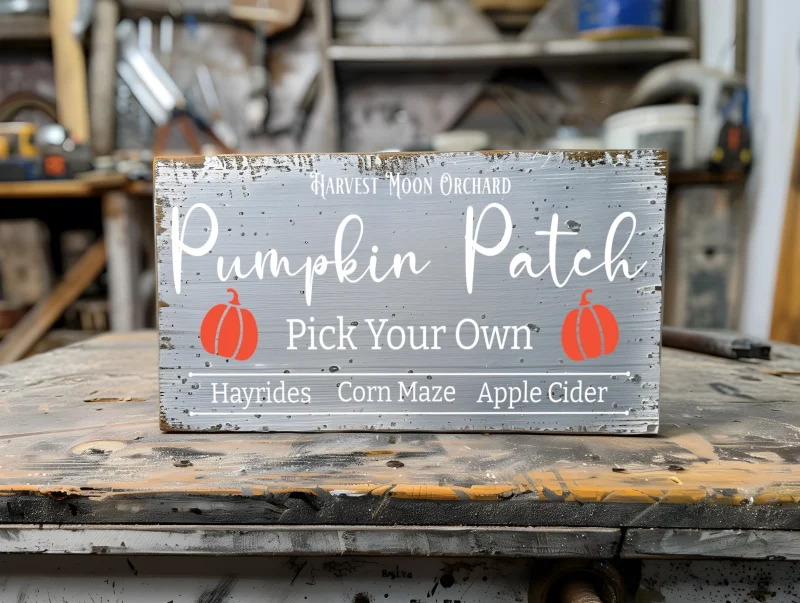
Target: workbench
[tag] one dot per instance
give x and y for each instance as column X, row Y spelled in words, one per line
column 85, row 469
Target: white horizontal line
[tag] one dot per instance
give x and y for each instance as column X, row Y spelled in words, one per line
column 420, row 374
column 393, row 413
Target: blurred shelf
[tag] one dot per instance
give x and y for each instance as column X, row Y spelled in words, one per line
column 514, row 52
column 89, row 185
column 24, row 27
column 142, row 188
column 702, row 177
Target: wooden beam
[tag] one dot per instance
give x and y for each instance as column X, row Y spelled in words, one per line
column 786, row 309
column 42, row 316
column 328, row 100
column 69, row 64
column 467, row 541
column 103, row 81
column 123, row 248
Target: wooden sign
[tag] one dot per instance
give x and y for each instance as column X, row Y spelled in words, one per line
column 437, row 292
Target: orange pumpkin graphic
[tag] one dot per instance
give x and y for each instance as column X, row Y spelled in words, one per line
column 229, row 330
column 589, row 331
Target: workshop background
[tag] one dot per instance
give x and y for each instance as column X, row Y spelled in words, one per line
column 91, row 90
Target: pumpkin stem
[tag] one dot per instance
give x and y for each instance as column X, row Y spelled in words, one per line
column 584, row 301
column 235, row 300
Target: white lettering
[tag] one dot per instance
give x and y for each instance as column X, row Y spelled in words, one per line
column 472, row 244
column 179, row 234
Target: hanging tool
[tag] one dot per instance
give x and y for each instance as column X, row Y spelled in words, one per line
column 149, row 82
column 218, row 125
column 145, row 37
column 160, row 96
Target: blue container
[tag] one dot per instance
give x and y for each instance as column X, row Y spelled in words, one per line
column 602, row 19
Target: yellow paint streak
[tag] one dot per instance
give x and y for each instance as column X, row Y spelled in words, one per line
column 628, row 496
column 423, row 492
column 490, row 492
column 713, row 482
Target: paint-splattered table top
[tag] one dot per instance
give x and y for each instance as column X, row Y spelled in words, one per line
column 80, row 444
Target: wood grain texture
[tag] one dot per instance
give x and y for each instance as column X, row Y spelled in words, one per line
column 80, row 443
column 198, row 540
column 712, row 544
column 444, row 340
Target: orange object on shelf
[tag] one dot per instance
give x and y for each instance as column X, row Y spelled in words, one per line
column 55, row 166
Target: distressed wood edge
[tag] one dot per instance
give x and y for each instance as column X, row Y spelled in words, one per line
column 198, row 161
column 304, row 508
column 198, row 540
column 535, row 486
column 644, row 543
column 648, row 430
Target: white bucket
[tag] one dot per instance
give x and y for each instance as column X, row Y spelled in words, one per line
column 669, row 127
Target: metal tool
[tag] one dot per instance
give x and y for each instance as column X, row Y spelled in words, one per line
column 298, row 126
column 166, row 31
column 716, row 343
column 221, row 128
column 160, row 96
column 145, row 36
column 149, row 82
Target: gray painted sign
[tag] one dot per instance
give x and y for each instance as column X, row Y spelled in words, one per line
column 459, row 291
